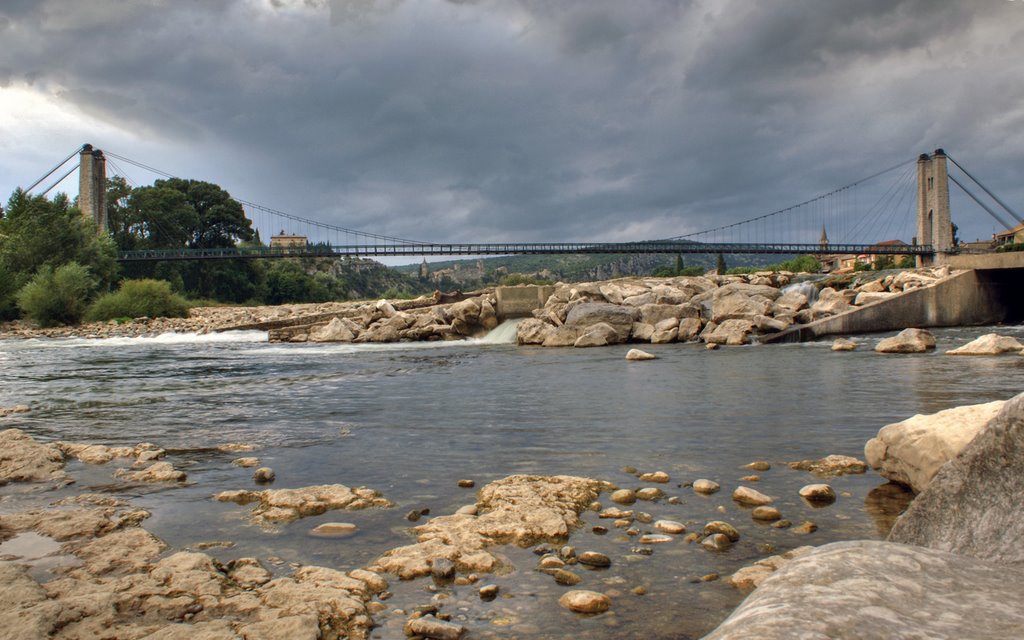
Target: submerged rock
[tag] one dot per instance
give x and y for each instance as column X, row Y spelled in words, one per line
column 285, row 505
column 843, row 344
column 705, row 486
column 157, row 472
column 637, row 354
column 912, row 451
column 9, row 411
column 751, row 577
column 818, row 493
column 830, row 466
column 746, row 495
column 520, row 509
column 582, row 601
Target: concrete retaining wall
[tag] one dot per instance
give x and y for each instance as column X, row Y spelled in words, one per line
column 968, row 298
column 520, row 301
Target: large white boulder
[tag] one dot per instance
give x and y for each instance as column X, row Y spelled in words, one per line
column 910, row 452
column 990, row 344
column 907, row 341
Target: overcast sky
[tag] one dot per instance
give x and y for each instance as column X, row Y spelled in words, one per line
column 500, row 120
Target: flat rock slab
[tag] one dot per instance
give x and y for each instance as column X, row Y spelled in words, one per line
column 874, row 590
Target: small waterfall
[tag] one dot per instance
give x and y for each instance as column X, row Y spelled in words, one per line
column 504, row 333
column 805, row 288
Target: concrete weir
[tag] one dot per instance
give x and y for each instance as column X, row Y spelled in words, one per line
column 520, row 301
column 973, row 297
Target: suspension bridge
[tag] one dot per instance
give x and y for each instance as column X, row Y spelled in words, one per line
column 865, row 217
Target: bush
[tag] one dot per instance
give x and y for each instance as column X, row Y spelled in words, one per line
column 137, row 298
column 58, row 296
column 514, row 279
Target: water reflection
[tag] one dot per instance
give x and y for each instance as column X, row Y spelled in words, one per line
column 885, row 503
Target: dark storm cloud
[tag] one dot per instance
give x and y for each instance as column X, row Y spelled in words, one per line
column 512, row 120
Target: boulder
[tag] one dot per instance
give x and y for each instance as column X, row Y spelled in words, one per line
column 561, row 337
column 990, row 344
column 736, row 305
column 830, row 302
column 869, row 589
column 590, row 313
column 907, row 341
column 637, row 354
column 689, row 329
column 972, row 505
column 533, row 331
column 843, row 344
column 665, row 331
column 791, row 301
column 601, row 334
column 337, row 330
column 910, row 452
column 731, row 332
column 655, row 313
column 641, row 332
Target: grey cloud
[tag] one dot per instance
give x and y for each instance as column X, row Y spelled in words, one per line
column 532, row 120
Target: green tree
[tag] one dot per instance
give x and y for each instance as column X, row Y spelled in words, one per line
column 57, row 296
column 136, row 298
column 720, row 266
column 679, row 264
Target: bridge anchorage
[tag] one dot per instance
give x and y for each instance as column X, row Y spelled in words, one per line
column 774, row 233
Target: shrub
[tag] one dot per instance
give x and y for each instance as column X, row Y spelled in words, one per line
column 514, row 279
column 136, row 298
column 58, row 296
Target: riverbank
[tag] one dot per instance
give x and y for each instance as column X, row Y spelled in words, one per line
column 726, row 310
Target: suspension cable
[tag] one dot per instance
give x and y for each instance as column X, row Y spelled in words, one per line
column 795, row 206
column 59, row 165
column 985, row 189
column 66, row 174
column 981, row 204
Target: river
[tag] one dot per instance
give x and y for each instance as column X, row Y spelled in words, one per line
column 412, row 419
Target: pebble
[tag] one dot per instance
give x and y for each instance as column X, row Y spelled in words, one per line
column 245, row 462
column 643, row 551
column 467, row 484
column 623, row 496
column 693, row 536
column 467, row 510
column 488, row 592
column 818, row 493
column 334, row 530
column 551, row 562
column 656, row 476
column 718, row 526
column 582, row 601
column 594, row 559
column 711, row 577
column 599, row 530
column 414, row 515
column 706, row 487
column 766, row 514
column 674, row 500
column 615, row 512
column 650, row 493
column 630, row 470
column 717, row 542
column 758, row 465
column 264, row 475
column 711, row 346
column 622, row 523
column 645, row 518
column 782, row 524
column 567, row 552
column 595, row 506
column 638, row 590
column 442, row 568
column 670, row 526
column 632, row 531
column 750, row 479
column 805, row 528
column 746, row 495
column 655, row 538
column 566, row 578
column 431, row 627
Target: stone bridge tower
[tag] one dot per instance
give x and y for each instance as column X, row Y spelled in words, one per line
column 934, row 224
column 92, row 186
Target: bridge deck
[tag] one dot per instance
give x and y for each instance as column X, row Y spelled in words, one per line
column 520, row 248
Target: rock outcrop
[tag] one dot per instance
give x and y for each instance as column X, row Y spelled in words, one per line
column 868, row 589
column 22, row 459
column 912, row 451
column 973, row 504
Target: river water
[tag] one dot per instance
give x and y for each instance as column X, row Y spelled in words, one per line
column 410, row 420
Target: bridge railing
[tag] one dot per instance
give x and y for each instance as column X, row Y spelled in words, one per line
column 516, row 248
